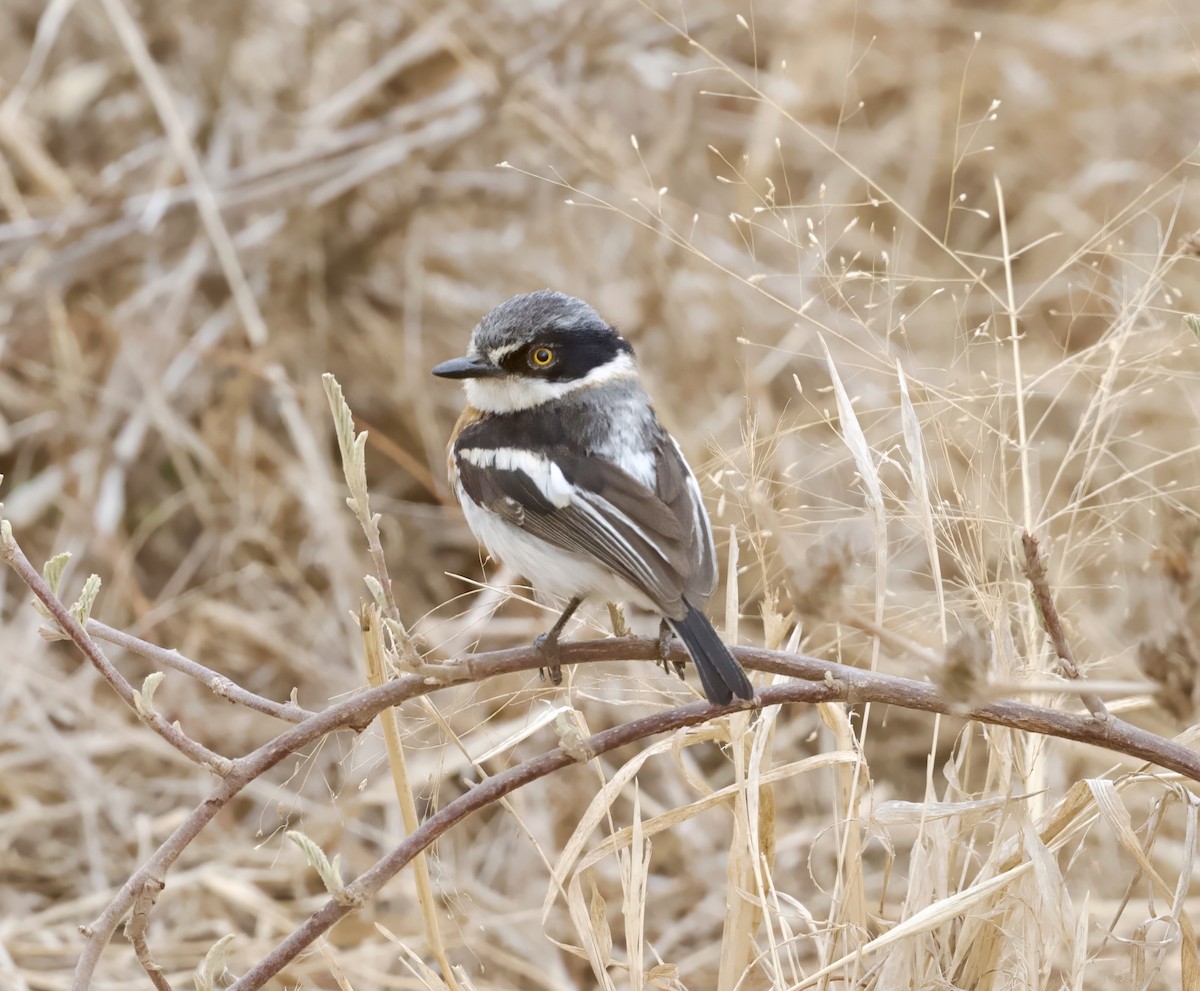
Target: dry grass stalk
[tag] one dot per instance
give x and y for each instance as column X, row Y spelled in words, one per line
column 1035, row 571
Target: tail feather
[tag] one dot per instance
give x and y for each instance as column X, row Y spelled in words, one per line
column 720, row 674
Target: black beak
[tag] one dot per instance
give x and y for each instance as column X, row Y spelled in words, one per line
column 467, row 368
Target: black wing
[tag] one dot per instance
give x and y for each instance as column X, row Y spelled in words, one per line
column 657, row 540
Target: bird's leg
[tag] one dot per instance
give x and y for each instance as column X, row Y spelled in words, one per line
column 664, row 650
column 547, row 643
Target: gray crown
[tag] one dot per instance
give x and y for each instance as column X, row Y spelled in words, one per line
column 523, row 317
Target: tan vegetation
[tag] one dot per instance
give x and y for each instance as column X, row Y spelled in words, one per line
column 908, row 279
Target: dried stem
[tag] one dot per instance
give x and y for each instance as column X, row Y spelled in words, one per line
column 488, row 791
column 814, row 681
column 353, row 450
column 1035, row 571
column 372, row 635
column 181, row 145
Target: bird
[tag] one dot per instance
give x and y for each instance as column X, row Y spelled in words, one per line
column 564, row 472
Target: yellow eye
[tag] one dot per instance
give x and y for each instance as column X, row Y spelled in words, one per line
column 541, row 357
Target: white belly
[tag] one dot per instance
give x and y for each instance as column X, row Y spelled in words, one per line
column 552, row 571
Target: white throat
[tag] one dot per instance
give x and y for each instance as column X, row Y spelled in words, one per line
column 512, row 393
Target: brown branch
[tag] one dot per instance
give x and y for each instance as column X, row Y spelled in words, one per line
column 820, row 681
column 354, row 713
column 220, row 685
column 490, row 790
column 12, row 555
column 1035, row 570
column 826, row 683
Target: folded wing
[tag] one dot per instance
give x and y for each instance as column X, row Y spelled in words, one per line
column 658, row 540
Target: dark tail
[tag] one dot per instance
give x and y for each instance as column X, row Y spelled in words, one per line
column 720, row 674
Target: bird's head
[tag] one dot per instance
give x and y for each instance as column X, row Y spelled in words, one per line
column 535, row 348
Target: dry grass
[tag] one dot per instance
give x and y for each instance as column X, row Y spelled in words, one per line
column 206, row 206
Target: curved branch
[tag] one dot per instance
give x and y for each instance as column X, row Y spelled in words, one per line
column 12, row 555
column 825, row 683
column 489, row 790
column 1109, row 733
column 821, row 681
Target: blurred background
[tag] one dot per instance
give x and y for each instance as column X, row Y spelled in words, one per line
column 205, row 206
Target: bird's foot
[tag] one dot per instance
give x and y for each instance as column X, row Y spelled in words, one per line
column 546, row 644
column 664, row 650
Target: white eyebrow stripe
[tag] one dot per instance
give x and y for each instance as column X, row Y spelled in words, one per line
column 543, row 472
column 496, row 355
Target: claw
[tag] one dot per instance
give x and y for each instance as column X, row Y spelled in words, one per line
column 547, row 646
column 664, row 650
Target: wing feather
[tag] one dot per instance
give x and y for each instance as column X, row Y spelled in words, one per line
column 658, row 540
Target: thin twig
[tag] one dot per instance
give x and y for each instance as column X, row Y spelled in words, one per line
column 12, row 555
column 481, row 795
column 220, row 685
column 1035, row 571
column 1014, row 340
column 354, row 467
